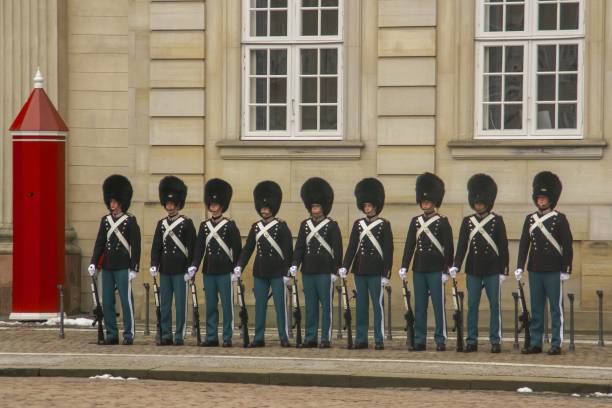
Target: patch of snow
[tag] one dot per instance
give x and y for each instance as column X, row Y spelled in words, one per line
column 110, row 377
column 524, row 390
column 575, row 395
column 79, row 321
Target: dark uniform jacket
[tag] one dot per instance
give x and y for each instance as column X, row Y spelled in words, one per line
column 165, row 254
column 543, row 256
column 427, row 257
column 113, row 253
column 313, row 257
column 481, row 257
column 216, row 261
column 364, row 256
column 268, row 263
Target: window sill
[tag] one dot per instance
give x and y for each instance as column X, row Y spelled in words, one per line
column 289, row 149
column 528, row 149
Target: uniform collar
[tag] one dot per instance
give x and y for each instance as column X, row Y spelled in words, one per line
column 483, row 215
column 116, row 217
column 315, row 222
column 267, row 221
column 371, row 220
column 544, row 212
column 428, row 216
column 172, row 219
column 216, row 220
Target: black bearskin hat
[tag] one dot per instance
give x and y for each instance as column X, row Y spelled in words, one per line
column 172, row 189
column 218, row 191
column 119, row 188
column 268, row 194
column 429, row 187
column 547, row 184
column 482, row 189
column 370, row 190
column 315, row 190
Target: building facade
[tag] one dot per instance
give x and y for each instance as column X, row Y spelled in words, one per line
column 249, row 90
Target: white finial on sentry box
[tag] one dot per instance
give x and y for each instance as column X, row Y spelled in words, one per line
column 38, row 79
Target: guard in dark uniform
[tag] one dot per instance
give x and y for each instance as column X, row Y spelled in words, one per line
column 318, row 251
column 171, row 255
column 483, row 238
column 219, row 245
column 430, row 242
column 547, row 238
column 370, row 252
column 117, row 251
column 272, row 239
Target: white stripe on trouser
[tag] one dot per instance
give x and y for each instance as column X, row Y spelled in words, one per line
column 285, row 307
column 444, row 311
column 382, row 310
column 561, row 313
column 231, row 301
column 499, row 316
column 129, row 296
column 186, row 307
column 331, row 308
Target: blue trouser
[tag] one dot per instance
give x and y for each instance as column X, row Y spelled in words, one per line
column 544, row 285
column 318, row 290
column 474, row 290
column 371, row 284
column 215, row 287
column 262, row 288
column 173, row 286
column 426, row 284
column 118, row 278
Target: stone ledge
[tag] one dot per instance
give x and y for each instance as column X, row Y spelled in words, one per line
column 289, row 149
column 528, row 149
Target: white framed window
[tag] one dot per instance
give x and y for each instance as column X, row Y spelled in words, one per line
column 292, row 69
column 529, row 71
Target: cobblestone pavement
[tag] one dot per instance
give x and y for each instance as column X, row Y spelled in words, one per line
column 61, row 392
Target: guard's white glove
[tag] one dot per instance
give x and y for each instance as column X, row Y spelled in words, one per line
column 91, row 269
column 518, row 274
column 385, row 282
column 453, row 272
column 191, row 271
column 153, row 271
column 402, row 273
column 293, row 270
column 186, row 277
column 334, row 278
column 502, row 278
column 234, row 277
column 237, row 271
column 445, row 277
column 132, row 275
column 342, row 272
column 286, row 280
column 564, row 276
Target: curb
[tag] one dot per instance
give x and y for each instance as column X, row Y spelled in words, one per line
column 324, row 379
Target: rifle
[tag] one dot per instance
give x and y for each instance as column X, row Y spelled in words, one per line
column 158, row 337
column 196, row 311
column 524, row 318
column 408, row 316
column 297, row 313
column 98, row 313
column 243, row 314
column 458, row 315
column 347, row 314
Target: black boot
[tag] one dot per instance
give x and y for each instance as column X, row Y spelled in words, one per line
column 418, row 347
column 531, row 350
column 496, row 348
column 470, row 348
column 554, row 351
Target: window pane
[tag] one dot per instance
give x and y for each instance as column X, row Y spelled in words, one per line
column 278, row 23
column 259, row 3
column 278, row 90
column 494, row 18
column 546, row 116
column 278, row 118
column 310, row 22
column 309, row 90
column 513, row 117
column 492, row 117
column 278, row 3
column 493, row 59
column 329, row 90
column 546, row 88
column 329, row 61
column 568, row 87
column 567, row 116
column 513, row 88
column 514, row 59
column 259, row 62
column 309, row 62
column 261, row 93
column 259, row 118
column 310, row 3
column 568, row 57
column 547, row 18
column 329, row 3
column 515, row 17
column 569, row 16
column 329, row 22
column 259, row 27
column 492, row 88
column 329, row 117
column 278, row 62
column 547, row 58
column 309, row 118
